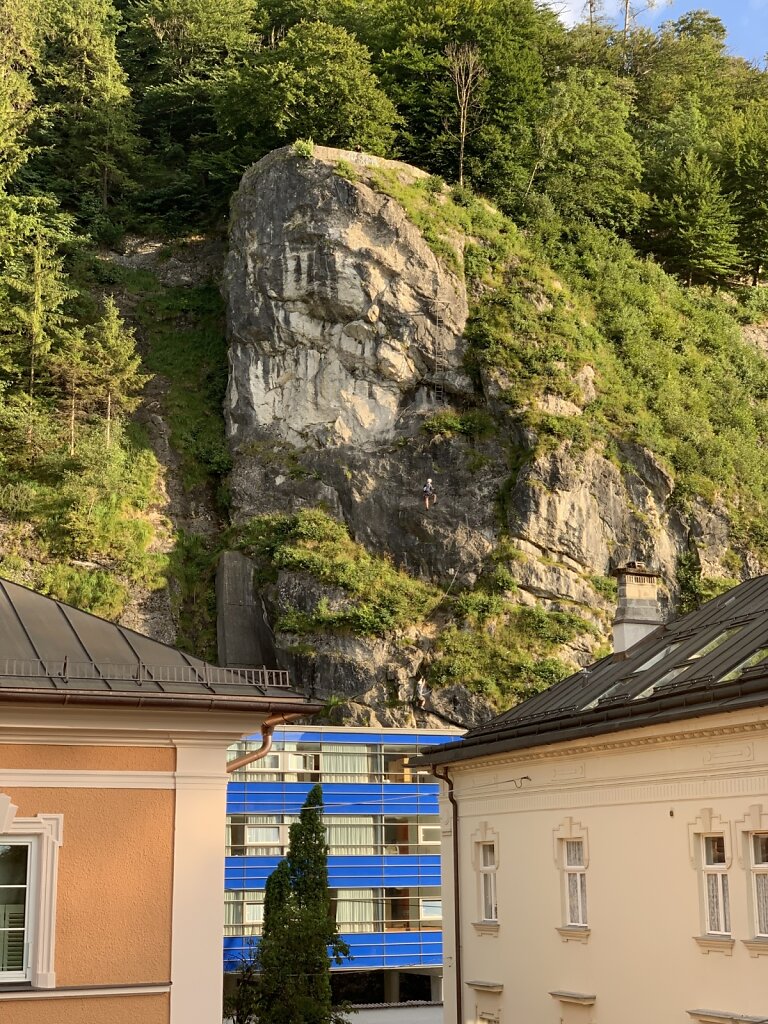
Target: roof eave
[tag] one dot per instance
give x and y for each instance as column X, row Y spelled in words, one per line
column 150, row 701
column 475, row 750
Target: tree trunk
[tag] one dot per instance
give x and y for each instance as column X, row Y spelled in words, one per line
column 72, row 417
column 109, row 418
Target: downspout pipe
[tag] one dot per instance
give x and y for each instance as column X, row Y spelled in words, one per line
column 443, row 775
column 267, row 730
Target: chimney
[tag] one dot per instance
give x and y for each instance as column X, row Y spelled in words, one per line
column 638, row 612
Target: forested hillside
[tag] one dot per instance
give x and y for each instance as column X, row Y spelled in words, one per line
column 602, row 192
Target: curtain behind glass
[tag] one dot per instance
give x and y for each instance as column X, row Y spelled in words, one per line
column 344, row 762
column 355, row 910
column 350, row 836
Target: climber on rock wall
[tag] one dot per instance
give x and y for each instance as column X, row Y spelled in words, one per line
column 429, row 494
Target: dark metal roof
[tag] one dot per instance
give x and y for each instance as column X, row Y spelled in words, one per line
column 714, row 659
column 49, row 647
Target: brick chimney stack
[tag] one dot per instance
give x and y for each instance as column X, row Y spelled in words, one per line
column 638, row 612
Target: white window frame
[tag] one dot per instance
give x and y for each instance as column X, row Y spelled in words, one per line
column 422, row 833
column 424, row 915
column 29, row 905
column 718, row 873
column 571, row 831
column 487, row 881
column 759, row 869
column 575, row 873
column 43, row 834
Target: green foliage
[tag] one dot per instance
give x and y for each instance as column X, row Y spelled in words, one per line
column 503, row 651
column 304, row 148
column 587, row 162
column 299, row 939
column 693, row 224
column 606, row 586
column 695, row 589
column 476, row 424
column 344, row 169
column 93, row 590
column 188, row 350
column 86, row 141
column 381, row 598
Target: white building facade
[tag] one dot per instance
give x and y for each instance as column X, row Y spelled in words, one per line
column 608, row 840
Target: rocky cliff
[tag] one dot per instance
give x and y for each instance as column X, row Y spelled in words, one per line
column 351, row 384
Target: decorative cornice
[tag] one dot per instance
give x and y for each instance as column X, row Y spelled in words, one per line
column 618, row 741
column 702, row 787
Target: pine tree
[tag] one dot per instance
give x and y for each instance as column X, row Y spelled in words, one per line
column 693, row 222
column 293, row 955
column 33, row 287
column 745, row 147
column 20, row 37
column 117, row 379
column 71, row 367
column 87, row 134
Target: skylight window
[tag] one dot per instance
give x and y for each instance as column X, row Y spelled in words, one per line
column 659, row 656
column 714, row 644
column 689, row 661
column 754, row 659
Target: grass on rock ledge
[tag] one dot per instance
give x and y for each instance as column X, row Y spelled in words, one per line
column 481, row 639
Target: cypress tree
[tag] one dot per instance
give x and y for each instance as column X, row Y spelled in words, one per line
column 299, row 936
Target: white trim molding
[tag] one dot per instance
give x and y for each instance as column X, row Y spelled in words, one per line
column 46, row 830
column 81, row 993
column 48, row 778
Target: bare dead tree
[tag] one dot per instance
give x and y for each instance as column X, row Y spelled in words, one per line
column 467, row 74
column 594, row 7
column 631, row 11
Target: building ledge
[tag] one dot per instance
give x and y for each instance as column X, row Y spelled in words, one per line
column 486, row 986
column 715, row 944
column 574, row 933
column 486, row 927
column 756, row 947
column 574, row 998
column 720, row 1017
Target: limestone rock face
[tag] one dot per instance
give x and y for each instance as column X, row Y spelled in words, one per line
column 340, row 315
column 342, row 321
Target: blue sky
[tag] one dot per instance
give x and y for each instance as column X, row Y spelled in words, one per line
column 746, row 20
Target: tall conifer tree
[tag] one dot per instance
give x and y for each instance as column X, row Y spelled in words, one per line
column 293, row 955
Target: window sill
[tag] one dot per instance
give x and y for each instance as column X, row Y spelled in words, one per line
column 486, row 927
column 756, row 947
column 574, row 933
column 574, row 998
column 715, row 944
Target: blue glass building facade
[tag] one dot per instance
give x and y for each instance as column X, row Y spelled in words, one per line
column 383, row 834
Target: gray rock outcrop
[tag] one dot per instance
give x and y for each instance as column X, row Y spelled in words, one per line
column 340, row 314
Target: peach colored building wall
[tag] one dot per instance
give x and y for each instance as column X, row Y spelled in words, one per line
column 138, row 799
column 141, row 1009
column 113, row 915
column 641, row 800
column 61, row 757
